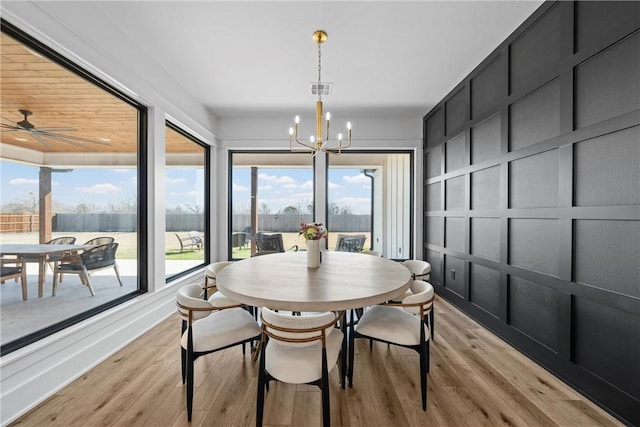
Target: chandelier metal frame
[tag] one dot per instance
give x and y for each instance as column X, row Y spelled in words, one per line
column 318, row 143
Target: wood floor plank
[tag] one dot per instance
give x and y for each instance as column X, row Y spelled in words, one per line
column 475, row 379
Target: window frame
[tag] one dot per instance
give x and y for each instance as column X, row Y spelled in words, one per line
column 142, row 186
column 207, row 203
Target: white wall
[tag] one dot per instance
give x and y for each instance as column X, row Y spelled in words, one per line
column 33, row 373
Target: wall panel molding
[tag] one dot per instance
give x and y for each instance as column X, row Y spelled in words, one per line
column 540, row 213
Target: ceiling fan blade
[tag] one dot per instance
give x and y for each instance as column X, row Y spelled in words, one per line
column 40, row 140
column 62, row 137
column 7, row 128
column 10, row 121
column 53, row 129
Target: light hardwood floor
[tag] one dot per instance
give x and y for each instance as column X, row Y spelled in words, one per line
column 475, row 379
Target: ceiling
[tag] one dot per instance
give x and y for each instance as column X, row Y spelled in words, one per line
column 254, row 59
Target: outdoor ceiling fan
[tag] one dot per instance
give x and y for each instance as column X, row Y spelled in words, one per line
column 47, row 133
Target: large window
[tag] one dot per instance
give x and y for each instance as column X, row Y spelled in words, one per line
column 70, row 166
column 271, row 193
column 186, row 184
column 367, row 193
column 370, row 193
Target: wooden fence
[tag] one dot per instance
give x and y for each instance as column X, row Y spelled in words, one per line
column 19, row 222
column 10, row 222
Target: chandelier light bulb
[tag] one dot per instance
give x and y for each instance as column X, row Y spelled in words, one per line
column 290, row 131
column 312, row 139
column 349, row 125
column 328, row 116
column 297, row 120
column 339, row 137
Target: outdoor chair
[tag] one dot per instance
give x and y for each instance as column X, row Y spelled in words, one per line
column 350, row 243
column 239, row 240
column 96, row 241
column 14, row 268
column 189, row 241
column 93, row 259
column 66, row 240
column 272, row 243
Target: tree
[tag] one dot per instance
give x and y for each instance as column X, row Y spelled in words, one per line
column 84, row 208
column 264, row 209
column 339, row 210
column 291, row 210
column 195, row 208
column 28, row 204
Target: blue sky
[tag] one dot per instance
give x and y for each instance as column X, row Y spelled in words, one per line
column 280, row 188
column 277, row 187
column 98, row 187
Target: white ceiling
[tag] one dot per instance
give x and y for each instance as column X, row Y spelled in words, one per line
column 258, row 58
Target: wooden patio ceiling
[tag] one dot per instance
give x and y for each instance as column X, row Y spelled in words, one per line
column 58, row 97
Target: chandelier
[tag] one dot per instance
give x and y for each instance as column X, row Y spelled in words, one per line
column 319, row 143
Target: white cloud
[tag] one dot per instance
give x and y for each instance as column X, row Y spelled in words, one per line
column 238, row 187
column 358, row 205
column 184, row 193
column 356, row 179
column 307, row 185
column 175, row 180
column 24, row 181
column 266, row 177
column 285, row 180
column 100, row 189
column 264, row 187
column 333, row 185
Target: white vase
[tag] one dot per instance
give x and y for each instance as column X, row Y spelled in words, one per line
column 313, row 253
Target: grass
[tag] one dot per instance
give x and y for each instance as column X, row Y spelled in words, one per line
column 184, row 255
column 128, row 245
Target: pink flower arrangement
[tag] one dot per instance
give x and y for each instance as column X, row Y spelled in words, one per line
column 313, row 231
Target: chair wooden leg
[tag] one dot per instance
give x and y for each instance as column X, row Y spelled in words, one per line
column 115, row 267
column 326, row 411
column 432, row 326
column 183, row 353
column 190, row 368
column 352, row 341
column 423, row 367
column 343, row 351
column 261, row 388
column 23, row 283
column 55, row 283
column 84, row 274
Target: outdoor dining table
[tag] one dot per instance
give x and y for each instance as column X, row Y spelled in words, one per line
column 39, row 253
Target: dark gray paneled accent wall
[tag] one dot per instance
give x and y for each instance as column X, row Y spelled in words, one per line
column 532, row 196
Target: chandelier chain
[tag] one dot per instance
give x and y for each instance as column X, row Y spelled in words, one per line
column 319, row 71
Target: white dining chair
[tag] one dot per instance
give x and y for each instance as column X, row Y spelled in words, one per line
column 210, row 277
column 300, row 350
column 209, row 329
column 420, row 270
column 401, row 324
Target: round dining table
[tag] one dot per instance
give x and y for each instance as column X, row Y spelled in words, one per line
column 344, row 280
